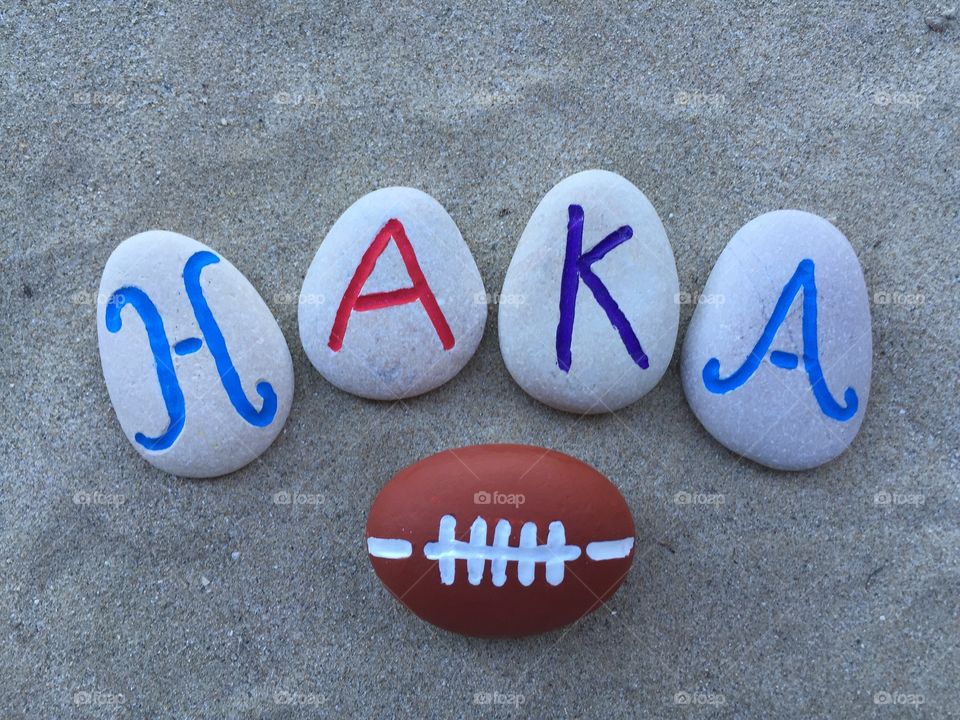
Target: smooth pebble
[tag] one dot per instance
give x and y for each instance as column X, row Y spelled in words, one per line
column 589, row 307
column 393, row 304
column 197, row 368
column 777, row 360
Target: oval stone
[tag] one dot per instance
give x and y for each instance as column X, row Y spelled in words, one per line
column 197, row 368
column 393, row 304
column 588, row 313
column 776, row 363
column 500, row 540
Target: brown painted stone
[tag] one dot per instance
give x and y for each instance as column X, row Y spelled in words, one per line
column 568, row 546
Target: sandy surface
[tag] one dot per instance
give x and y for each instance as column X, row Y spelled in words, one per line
column 251, row 128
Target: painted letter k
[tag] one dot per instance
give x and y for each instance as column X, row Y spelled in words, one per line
column 577, row 266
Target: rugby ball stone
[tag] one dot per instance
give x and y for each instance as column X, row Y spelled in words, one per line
column 500, row 540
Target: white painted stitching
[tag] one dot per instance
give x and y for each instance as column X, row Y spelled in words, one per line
column 446, row 550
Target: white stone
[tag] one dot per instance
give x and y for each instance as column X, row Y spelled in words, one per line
column 395, row 351
column 163, row 275
column 769, row 412
column 639, row 274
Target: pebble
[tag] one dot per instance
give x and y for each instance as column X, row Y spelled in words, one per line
column 777, row 360
column 197, row 368
column 938, row 23
column 589, row 308
column 446, row 536
column 393, row 304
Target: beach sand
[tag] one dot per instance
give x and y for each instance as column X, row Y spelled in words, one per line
column 125, row 592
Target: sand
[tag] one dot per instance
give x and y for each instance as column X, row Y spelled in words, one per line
column 251, row 126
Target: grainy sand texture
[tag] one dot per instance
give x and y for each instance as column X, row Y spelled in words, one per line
column 251, row 126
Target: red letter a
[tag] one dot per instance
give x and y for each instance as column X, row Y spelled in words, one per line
column 353, row 300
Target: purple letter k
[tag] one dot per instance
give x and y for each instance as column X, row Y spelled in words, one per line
column 577, row 266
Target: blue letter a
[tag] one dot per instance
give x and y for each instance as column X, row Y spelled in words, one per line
column 802, row 281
